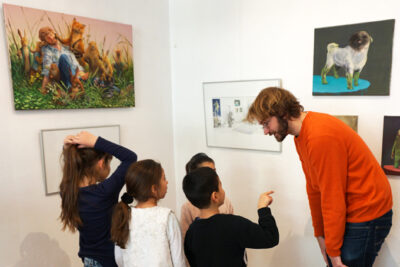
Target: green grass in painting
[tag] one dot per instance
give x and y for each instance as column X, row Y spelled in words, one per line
column 28, row 97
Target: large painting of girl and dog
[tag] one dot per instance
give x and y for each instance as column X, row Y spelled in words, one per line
column 353, row 59
column 61, row 61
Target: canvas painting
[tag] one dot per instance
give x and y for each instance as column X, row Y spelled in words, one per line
column 226, row 105
column 353, row 59
column 391, row 145
column 61, row 61
column 351, row 121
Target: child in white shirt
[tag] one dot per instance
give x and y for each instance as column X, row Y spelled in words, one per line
column 149, row 235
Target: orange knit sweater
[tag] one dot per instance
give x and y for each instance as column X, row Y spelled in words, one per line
column 345, row 183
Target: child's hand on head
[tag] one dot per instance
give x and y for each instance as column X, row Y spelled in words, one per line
column 85, row 139
column 68, row 140
column 265, row 199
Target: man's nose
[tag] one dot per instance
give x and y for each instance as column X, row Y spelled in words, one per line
column 266, row 130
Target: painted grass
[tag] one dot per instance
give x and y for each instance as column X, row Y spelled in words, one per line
column 28, row 97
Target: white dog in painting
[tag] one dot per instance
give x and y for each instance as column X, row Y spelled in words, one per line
column 352, row 58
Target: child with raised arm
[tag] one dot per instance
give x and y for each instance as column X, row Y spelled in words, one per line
column 149, row 235
column 218, row 240
column 189, row 212
column 87, row 197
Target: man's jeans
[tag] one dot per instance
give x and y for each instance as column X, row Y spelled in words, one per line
column 88, row 262
column 362, row 241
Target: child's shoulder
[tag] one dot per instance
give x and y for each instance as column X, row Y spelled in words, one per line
column 231, row 221
column 230, row 217
column 157, row 210
column 219, row 223
column 223, row 219
column 164, row 209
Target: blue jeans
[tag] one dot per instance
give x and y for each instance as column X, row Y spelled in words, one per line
column 362, row 241
column 65, row 67
column 88, row 262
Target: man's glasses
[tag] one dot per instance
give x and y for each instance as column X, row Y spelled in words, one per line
column 265, row 124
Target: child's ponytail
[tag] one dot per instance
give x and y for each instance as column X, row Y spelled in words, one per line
column 120, row 221
column 78, row 163
column 69, row 188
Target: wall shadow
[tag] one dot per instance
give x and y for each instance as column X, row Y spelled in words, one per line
column 38, row 249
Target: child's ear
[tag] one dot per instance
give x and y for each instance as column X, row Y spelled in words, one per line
column 100, row 163
column 214, row 197
column 154, row 190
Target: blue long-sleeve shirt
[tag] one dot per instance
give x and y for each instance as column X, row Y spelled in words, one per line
column 96, row 203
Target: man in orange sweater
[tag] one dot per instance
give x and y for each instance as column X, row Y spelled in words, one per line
column 349, row 194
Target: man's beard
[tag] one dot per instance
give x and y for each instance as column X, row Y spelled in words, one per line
column 282, row 132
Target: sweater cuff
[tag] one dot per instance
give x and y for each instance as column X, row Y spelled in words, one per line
column 264, row 212
column 99, row 142
column 319, row 232
column 333, row 252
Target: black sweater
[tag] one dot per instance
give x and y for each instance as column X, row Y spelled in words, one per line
column 221, row 239
column 96, row 203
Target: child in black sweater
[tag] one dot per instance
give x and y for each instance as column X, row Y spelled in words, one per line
column 220, row 239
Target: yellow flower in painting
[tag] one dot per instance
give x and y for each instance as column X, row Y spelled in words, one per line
column 32, row 79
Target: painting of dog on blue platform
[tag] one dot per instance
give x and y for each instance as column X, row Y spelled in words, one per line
column 353, row 59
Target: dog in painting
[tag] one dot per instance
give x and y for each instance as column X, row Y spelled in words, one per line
column 352, row 58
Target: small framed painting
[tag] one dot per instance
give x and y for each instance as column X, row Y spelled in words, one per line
column 226, row 105
column 52, row 146
column 391, row 145
column 351, row 121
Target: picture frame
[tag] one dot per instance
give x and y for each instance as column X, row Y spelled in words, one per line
column 349, row 120
column 390, row 162
column 226, row 105
column 353, row 59
column 51, row 143
column 65, row 61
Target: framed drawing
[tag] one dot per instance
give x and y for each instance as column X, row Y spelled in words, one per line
column 225, row 107
column 61, row 61
column 353, row 59
column 51, row 141
column 391, row 145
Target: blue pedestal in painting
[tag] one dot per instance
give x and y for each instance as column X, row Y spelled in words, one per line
column 337, row 86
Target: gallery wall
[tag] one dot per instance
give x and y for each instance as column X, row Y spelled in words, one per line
column 207, row 41
column 29, row 227
column 252, row 39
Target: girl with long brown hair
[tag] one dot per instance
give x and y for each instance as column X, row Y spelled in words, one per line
column 87, row 197
column 149, row 235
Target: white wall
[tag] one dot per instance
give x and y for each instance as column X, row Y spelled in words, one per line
column 210, row 41
column 248, row 39
column 30, row 232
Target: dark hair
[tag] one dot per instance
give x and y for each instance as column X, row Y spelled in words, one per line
column 274, row 101
column 139, row 179
column 196, row 160
column 198, row 186
column 78, row 163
